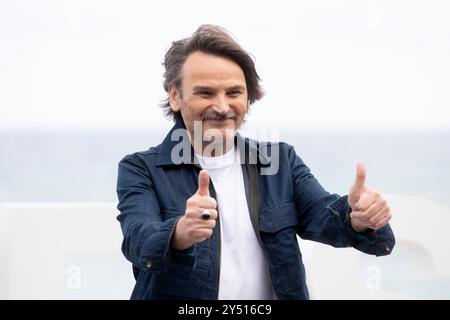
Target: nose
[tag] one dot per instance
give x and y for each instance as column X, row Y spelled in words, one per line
column 221, row 104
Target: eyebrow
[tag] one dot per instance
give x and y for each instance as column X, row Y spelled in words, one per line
column 202, row 88
column 238, row 87
column 197, row 89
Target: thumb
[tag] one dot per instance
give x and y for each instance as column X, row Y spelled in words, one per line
column 203, row 183
column 360, row 177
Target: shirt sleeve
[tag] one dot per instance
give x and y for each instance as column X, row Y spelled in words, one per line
column 146, row 238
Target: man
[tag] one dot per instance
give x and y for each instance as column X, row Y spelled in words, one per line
column 208, row 214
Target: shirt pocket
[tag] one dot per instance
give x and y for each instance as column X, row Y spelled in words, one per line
column 278, row 229
column 278, row 218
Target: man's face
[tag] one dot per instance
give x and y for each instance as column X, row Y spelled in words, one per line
column 213, row 92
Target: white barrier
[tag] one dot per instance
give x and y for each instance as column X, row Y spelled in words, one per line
column 72, row 251
column 62, row 251
column 418, row 267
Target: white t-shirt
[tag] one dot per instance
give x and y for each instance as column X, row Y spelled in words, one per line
column 243, row 267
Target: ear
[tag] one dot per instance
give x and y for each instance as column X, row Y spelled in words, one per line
column 174, row 99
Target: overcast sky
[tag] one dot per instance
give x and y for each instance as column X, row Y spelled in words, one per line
column 324, row 64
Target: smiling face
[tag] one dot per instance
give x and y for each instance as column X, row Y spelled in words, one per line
column 214, row 93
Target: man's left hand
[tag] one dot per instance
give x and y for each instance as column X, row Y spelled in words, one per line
column 369, row 208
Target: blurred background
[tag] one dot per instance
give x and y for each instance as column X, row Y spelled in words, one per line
column 345, row 81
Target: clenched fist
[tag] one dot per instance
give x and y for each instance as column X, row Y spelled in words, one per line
column 191, row 228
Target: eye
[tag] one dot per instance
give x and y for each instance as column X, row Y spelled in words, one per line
column 205, row 94
column 234, row 93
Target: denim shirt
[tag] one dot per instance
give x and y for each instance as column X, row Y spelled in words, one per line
column 153, row 187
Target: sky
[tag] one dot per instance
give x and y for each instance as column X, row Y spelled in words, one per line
column 324, row 64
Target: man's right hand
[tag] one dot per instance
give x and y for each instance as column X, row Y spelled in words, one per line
column 191, row 228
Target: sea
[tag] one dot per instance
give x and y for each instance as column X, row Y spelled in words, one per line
column 81, row 165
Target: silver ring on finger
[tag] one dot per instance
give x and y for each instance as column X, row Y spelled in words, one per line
column 206, row 215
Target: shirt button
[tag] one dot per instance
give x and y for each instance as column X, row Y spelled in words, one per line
column 388, row 248
column 148, row 264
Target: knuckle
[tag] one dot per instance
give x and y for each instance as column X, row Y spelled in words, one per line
column 188, row 223
column 189, row 213
column 191, row 233
column 197, row 233
column 190, row 202
column 206, row 233
column 364, row 217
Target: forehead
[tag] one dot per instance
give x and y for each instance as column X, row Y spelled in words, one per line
column 207, row 69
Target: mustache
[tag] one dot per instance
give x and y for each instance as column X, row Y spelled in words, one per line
column 212, row 115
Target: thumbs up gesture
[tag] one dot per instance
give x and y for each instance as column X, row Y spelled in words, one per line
column 191, row 228
column 369, row 208
column 203, row 183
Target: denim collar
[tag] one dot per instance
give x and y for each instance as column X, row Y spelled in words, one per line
column 178, row 138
